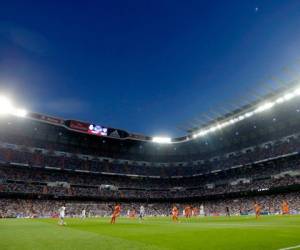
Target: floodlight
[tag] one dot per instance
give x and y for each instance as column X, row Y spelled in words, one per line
column 297, row 91
column 264, row 107
column 20, row 112
column 212, row 129
column 288, row 96
column 6, row 106
column 241, row 117
column 231, row 121
column 161, row 139
column 249, row 114
column 280, row 100
column 222, row 125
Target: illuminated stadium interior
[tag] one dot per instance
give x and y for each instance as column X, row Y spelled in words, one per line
column 149, row 125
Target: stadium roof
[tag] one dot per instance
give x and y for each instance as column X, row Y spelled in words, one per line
column 270, row 100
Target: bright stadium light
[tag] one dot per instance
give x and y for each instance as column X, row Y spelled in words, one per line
column 263, row 107
column 231, row 121
column 20, row 112
column 249, row 114
column 201, row 133
column 220, row 125
column 6, row 106
column 212, row 129
column 279, row 100
column 297, row 91
column 161, row 139
column 288, row 96
column 241, row 117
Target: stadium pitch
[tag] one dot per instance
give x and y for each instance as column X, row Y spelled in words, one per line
column 269, row 232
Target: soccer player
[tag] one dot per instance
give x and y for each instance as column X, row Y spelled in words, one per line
column 132, row 213
column 128, row 213
column 202, row 212
column 187, row 212
column 62, row 216
column 257, row 209
column 175, row 214
column 195, row 211
column 285, row 208
column 116, row 213
column 142, row 212
column 227, row 212
column 83, row 214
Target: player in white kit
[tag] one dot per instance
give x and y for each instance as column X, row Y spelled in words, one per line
column 83, row 214
column 62, row 216
column 142, row 212
column 202, row 212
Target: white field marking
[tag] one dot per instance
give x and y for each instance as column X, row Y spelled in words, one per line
column 288, row 248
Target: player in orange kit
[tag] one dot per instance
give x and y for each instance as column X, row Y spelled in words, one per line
column 195, row 211
column 115, row 214
column 187, row 212
column 175, row 214
column 285, row 208
column 132, row 213
column 257, row 209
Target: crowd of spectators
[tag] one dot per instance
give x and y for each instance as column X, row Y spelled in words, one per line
column 50, row 158
column 252, row 172
column 27, row 171
column 271, row 204
column 18, row 180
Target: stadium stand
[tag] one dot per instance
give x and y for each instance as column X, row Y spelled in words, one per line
column 46, row 162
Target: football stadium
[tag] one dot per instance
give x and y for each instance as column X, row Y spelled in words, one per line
column 230, row 181
column 81, row 185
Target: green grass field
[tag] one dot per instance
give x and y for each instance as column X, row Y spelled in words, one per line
column 243, row 233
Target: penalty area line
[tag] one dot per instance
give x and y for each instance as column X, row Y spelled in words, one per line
column 288, row 248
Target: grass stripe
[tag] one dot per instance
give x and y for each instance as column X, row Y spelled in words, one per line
column 288, row 248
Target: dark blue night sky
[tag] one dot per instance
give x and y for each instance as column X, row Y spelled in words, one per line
column 143, row 66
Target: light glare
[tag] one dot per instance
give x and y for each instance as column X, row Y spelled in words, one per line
column 288, row 96
column 20, row 112
column 261, row 108
column 5, row 105
column 7, row 108
column 280, row 100
column 264, row 107
column 161, row 139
